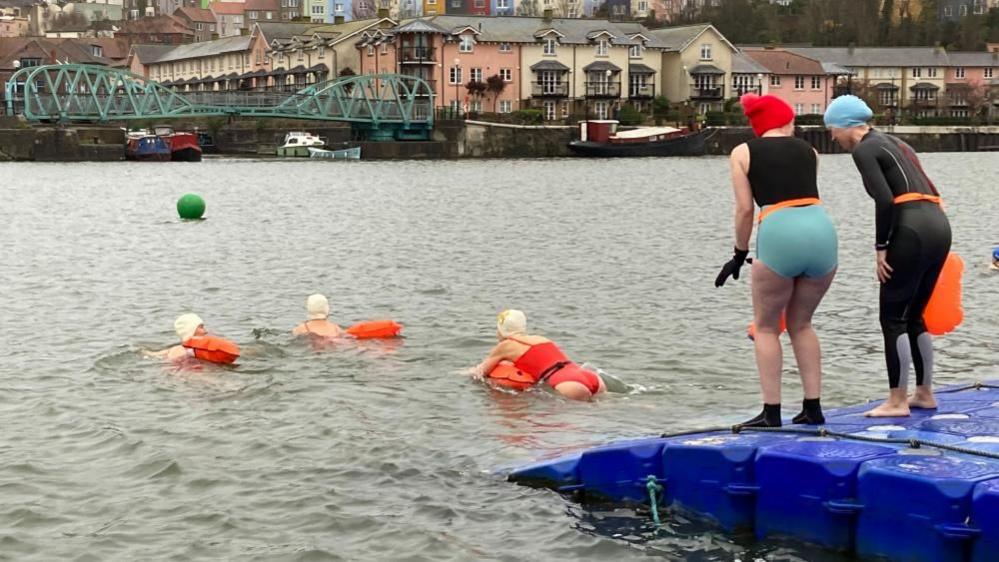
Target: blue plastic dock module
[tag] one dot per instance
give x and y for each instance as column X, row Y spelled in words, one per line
column 916, row 507
column 985, row 517
column 619, row 472
column 808, row 490
column 714, row 476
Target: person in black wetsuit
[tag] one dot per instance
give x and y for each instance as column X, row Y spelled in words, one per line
column 912, row 240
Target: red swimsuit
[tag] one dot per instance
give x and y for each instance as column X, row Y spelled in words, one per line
column 546, row 362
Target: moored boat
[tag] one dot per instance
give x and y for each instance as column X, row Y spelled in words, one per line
column 184, row 147
column 149, row 148
column 353, row 153
column 206, row 142
column 600, row 138
column 297, row 144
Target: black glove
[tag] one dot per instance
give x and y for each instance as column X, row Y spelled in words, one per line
column 732, row 267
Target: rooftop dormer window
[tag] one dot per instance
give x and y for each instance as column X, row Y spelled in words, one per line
column 551, row 46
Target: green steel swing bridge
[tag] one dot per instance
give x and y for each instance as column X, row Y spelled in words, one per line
column 380, row 106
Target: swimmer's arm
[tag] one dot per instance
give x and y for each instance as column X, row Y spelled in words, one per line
column 161, row 354
column 877, row 187
column 499, row 353
column 744, row 208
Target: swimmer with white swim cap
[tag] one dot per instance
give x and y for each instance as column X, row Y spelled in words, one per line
column 318, row 309
column 538, row 358
column 196, row 343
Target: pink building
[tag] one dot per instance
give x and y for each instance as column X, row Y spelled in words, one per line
column 799, row 80
column 970, row 83
column 448, row 59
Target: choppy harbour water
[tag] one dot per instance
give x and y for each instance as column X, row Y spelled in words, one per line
column 383, row 450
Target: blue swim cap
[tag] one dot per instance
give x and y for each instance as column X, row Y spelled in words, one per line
column 995, row 253
column 847, row 111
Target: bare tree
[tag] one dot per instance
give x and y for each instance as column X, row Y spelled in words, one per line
column 495, row 86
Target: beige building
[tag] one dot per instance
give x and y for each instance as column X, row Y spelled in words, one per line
column 696, row 65
column 321, row 52
column 231, row 63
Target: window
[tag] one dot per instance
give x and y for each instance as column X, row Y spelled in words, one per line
column 550, row 46
column 643, row 6
column 988, row 72
column 30, row 62
column 602, row 48
column 706, row 51
column 816, row 82
column 505, row 48
column 475, row 106
column 384, row 48
column 958, row 73
column 199, row 26
column 270, row 15
column 465, row 44
column 931, row 73
column 338, row 8
column 816, row 109
column 317, row 10
column 799, row 108
column 506, row 74
column 322, row 51
column 505, row 106
column 454, row 77
column 96, row 50
column 799, row 82
column 455, row 3
column 917, row 72
column 948, row 12
column 480, row 3
column 964, row 10
column 635, row 51
column 502, row 4
column 600, row 109
column 211, row 27
column 549, row 110
column 371, row 50
column 301, row 55
column 475, row 75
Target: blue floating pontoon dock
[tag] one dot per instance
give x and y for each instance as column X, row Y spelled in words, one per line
column 922, row 488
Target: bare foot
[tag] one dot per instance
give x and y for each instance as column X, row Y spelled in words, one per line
column 927, row 402
column 887, row 410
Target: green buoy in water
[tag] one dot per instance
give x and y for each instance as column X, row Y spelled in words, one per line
column 190, row 206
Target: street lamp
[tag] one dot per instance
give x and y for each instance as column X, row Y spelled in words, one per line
column 457, row 80
column 759, row 84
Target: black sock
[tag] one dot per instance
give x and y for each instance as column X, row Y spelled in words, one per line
column 769, row 417
column 811, row 412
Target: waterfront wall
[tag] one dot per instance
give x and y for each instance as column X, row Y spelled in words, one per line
column 922, row 139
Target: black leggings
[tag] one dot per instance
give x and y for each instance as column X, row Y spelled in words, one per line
column 917, row 251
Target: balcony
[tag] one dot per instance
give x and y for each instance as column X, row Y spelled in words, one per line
column 417, row 55
column 549, row 89
column 710, row 92
column 923, row 102
column 603, row 89
column 642, row 91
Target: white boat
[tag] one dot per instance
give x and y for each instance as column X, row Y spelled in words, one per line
column 341, row 154
column 297, row 143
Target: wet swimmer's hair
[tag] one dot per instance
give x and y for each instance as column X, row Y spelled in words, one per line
column 511, row 322
column 186, row 324
column 318, row 307
column 847, row 111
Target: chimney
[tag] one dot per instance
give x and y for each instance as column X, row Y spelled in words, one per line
column 383, row 12
column 850, row 47
column 547, row 15
column 338, row 19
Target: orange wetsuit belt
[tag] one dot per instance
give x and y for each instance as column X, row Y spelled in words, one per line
column 803, row 202
column 906, row 197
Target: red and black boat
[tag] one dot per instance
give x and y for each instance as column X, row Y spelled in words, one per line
column 184, row 147
column 600, row 138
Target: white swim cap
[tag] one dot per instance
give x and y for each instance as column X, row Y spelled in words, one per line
column 186, row 324
column 318, row 307
column 510, row 322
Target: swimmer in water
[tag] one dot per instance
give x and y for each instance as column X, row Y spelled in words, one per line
column 196, row 343
column 912, row 240
column 796, row 251
column 318, row 324
column 539, row 358
column 995, row 258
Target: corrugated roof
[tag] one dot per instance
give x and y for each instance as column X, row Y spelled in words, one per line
column 905, row 57
column 205, row 48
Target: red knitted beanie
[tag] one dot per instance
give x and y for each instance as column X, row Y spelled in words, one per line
column 766, row 112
